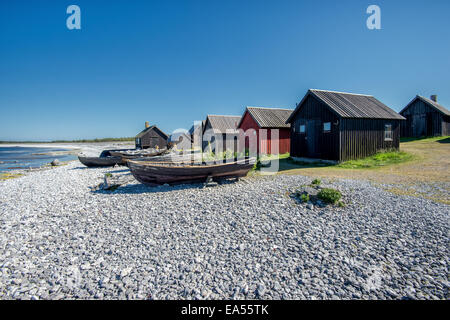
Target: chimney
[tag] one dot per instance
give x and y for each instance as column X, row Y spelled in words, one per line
column 147, row 124
column 434, row 97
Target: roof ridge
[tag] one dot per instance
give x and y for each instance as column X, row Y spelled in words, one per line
column 353, row 94
column 269, row 108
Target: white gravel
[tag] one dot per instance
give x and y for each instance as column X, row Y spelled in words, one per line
column 61, row 239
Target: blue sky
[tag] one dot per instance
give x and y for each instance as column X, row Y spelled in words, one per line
column 173, row 62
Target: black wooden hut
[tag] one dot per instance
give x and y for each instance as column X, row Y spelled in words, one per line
column 425, row 117
column 151, row 137
column 342, row 126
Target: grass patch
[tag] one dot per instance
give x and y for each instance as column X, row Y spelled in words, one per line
column 381, row 159
column 266, row 157
column 7, row 176
column 425, row 139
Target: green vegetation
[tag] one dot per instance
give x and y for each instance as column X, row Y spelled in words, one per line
column 7, row 176
column 379, row 160
column 108, row 175
column 316, row 182
column 329, row 195
column 267, row 157
column 304, row 197
column 425, row 139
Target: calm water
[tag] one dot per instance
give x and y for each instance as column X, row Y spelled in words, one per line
column 12, row 158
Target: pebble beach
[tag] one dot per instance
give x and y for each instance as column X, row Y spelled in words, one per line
column 62, row 238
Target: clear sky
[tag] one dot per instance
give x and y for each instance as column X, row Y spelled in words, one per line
column 173, row 62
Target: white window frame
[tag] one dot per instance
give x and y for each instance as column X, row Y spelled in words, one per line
column 300, row 128
column 388, row 135
column 329, row 124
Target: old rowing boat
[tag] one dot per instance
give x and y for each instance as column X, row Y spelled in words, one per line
column 157, row 173
column 134, row 154
column 100, row 161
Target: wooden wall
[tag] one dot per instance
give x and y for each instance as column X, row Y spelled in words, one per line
column 364, row 137
column 153, row 138
column 314, row 143
column 446, row 126
column 348, row 139
column 422, row 120
column 267, row 141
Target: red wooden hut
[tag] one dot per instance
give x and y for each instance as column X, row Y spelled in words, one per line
column 264, row 121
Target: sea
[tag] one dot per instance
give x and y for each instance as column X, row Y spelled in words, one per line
column 13, row 158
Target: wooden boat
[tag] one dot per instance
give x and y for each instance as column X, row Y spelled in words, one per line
column 172, row 157
column 107, row 153
column 134, row 154
column 100, row 161
column 157, row 173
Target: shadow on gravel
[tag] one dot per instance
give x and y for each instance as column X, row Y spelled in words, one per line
column 138, row 188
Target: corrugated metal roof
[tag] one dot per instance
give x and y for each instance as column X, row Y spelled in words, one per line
column 269, row 117
column 140, row 134
column 220, row 124
column 351, row 105
column 431, row 103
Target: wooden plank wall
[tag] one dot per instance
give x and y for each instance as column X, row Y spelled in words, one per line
column 313, row 109
column 421, row 120
column 364, row 137
column 152, row 138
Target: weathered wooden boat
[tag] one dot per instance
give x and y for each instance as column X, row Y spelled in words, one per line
column 172, row 157
column 107, row 153
column 158, row 173
column 134, row 154
column 100, row 161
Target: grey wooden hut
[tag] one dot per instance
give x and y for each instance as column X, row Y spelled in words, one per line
column 196, row 133
column 151, row 137
column 224, row 126
column 425, row 117
column 341, row 126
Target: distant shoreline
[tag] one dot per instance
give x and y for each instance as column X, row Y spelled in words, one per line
column 71, row 141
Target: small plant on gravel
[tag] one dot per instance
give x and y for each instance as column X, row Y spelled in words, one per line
column 304, row 197
column 341, row 204
column 329, row 195
column 108, row 175
column 316, row 182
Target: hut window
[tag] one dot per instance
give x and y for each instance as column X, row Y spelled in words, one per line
column 326, row 126
column 302, row 128
column 388, row 132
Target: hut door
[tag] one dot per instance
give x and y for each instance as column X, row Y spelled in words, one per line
column 419, row 125
column 312, row 138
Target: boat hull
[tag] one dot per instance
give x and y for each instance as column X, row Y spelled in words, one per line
column 158, row 173
column 130, row 156
column 100, row 162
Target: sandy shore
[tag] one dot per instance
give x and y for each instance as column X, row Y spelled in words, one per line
column 60, row 237
column 90, row 149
